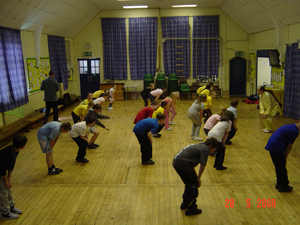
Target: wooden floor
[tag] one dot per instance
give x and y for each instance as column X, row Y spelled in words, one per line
column 114, row 188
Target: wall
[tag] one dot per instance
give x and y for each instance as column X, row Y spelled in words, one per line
column 35, row 98
column 234, row 38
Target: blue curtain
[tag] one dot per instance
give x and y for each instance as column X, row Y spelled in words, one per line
column 58, row 59
column 205, row 51
column 176, row 52
column 114, row 48
column 13, row 90
column 142, row 46
column 291, row 101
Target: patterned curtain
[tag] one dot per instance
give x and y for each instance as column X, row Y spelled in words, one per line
column 176, row 52
column 13, row 90
column 114, row 48
column 58, row 59
column 205, row 51
column 291, row 101
column 142, row 46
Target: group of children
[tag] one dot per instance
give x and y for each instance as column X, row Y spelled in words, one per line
column 219, row 128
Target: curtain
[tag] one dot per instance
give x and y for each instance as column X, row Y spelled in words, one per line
column 13, row 90
column 114, row 48
column 58, row 59
column 142, row 46
column 176, row 52
column 291, row 101
column 205, row 51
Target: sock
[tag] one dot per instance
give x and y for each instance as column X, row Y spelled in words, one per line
column 110, row 104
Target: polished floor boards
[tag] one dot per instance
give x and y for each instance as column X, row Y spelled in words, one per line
column 114, row 188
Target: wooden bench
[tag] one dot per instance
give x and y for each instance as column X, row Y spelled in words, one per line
column 7, row 132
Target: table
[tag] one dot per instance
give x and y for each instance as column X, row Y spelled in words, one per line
column 131, row 86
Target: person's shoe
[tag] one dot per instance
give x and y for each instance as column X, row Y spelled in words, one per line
column 110, row 108
column 149, row 162
column 169, row 129
column 59, row 170
column 96, row 145
column 183, row 206
column 83, row 160
column 285, row 189
column 222, row 168
column 156, row 135
column 267, row 131
column 91, row 146
column 14, row 210
column 228, row 142
column 171, row 123
column 194, row 211
column 192, row 138
column 198, row 139
column 9, row 216
column 53, row 172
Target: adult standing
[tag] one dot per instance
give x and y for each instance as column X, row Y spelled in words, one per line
column 269, row 107
column 50, row 87
column 280, row 145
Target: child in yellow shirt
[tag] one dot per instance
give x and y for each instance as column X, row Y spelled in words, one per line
column 80, row 111
column 208, row 105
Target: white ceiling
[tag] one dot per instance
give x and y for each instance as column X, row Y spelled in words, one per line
column 68, row 17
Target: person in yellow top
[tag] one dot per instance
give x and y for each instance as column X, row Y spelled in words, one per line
column 161, row 109
column 96, row 94
column 269, row 107
column 208, row 105
column 80, row 111
column 200, row 89
column 89, row 98
column 207, row 90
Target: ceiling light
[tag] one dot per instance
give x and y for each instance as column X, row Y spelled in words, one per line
column 135, row 6
column 180, row 6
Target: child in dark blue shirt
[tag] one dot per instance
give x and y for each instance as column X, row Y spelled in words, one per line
column 143, row 131
column 280, row 145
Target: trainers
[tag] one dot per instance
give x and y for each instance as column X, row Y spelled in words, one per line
column 9, row 216
column 96, row 145
column 171, row 123
column 194, row 211
column 267, row 131
column 169, row 129
column 192, row 138
column 110, row 108
column 14, row 210
column 53, row 172
column 285, row 189
column 58, row 170
column 222, row 168
column 92, row 146
column 149, row 162
column 228, row 142
column 157, row 135
column 83, row 160
column 198, row 139
column 183, row 206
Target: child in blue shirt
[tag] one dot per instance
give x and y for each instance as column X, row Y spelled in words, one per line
column 143, row 131
column 280, row 145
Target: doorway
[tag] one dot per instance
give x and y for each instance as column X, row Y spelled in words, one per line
column 263, row 68
column 89, row 72
column 237, row 76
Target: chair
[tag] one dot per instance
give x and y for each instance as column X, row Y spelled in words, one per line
column 194, row 88
column 160, row 80
column 184, row 88
column 172, row 83
column 148, row 80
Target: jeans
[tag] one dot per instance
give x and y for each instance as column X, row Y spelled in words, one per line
column 196, row 124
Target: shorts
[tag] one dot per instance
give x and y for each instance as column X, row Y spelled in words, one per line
column 45, row 145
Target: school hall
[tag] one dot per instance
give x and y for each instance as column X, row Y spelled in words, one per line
column 114, row 187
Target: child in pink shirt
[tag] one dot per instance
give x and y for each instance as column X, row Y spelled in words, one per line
column 213, row 120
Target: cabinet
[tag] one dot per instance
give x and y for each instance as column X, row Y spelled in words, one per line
column 119, row 92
